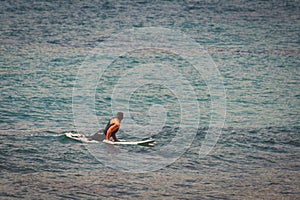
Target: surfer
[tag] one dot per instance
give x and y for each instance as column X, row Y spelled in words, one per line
column 113, row 126
column 110, row 130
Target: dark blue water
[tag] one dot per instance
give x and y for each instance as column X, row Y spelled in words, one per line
column 47, row 47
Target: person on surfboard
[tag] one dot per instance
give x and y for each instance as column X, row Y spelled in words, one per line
column 110, row 130
column 113, row 126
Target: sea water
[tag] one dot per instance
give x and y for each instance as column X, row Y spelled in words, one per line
column 46, row 47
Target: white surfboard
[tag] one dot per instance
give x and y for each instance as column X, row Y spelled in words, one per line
column 142, row 142
column 83, row 138
column 79, row 137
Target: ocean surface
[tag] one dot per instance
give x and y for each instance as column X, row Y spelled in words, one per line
column 215, row 83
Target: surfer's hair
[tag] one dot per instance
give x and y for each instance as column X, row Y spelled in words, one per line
column 120, row 115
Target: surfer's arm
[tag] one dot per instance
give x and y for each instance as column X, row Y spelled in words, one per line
column 111, row 132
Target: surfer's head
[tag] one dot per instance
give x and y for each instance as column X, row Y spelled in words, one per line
column 120, row 116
